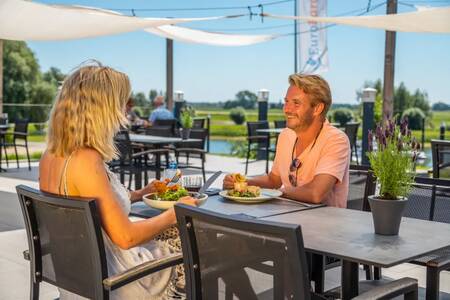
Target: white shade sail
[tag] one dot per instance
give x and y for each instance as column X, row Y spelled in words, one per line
column 189, row 35
column 428, row 20
column 24, row 20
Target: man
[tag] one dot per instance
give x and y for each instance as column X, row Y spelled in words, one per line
column 312, row 157
column 160, row 112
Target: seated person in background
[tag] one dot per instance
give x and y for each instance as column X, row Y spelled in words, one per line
column 89, row 110
column 160, row 112
column 312, row 157
column 133, row 118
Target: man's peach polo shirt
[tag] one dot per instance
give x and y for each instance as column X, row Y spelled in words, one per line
column 330, row 155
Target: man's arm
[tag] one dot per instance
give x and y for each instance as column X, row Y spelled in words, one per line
column 270, row 181
column 312, row 192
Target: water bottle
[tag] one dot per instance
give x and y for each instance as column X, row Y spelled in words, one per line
column 171, row 170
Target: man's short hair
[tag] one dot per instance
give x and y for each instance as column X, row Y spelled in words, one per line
column 315, row 87
column 158, row 101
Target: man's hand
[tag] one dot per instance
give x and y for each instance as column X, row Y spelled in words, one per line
column 228, row 182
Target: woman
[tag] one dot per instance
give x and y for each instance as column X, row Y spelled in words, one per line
column 88, row 111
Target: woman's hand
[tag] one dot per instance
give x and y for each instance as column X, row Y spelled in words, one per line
column 188, row 200
column 137, row 195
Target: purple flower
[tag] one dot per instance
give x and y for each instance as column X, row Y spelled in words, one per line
column 404, row 126
column 399, row 144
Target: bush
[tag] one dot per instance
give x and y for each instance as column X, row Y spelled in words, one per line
column 415, row 116
column 342, row 115
column 238, row 115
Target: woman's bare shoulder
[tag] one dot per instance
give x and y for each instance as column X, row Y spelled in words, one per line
column 87, row 160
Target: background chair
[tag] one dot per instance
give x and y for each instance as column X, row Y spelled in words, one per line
column 429, row 199
column 66, row 246
column 193, row 150
column 233, row 249
column 351, row 130
column 260, row 140
column 134, row 160
column 279, row 123
column 20, row 133
column 168, row 126
column 199, row 123
column 440, row 152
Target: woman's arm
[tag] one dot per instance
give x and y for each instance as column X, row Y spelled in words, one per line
column 88, row 175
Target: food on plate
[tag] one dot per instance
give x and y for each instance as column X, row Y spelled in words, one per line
column 242, row 189
column 169, row 193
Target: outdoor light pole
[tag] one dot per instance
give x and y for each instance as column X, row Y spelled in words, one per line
column 179, row 103
column 295, row 38
column 368, row 99
column 263, row 106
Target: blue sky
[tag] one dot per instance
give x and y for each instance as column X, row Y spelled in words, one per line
column 207, row 73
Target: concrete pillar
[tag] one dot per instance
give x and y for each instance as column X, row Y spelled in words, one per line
column 368, row 99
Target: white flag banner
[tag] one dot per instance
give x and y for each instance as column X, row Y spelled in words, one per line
column 27, row 21
column 313, row 48
column 426, row 20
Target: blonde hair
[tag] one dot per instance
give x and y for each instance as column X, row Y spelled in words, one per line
column 88, row 111
column 315, row 87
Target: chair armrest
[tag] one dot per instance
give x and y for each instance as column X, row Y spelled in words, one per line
column 139, row 271
column 15, row 133
column 442, row 262
column 191, row 150
column 26, row 255
column 257, row 137
column 390, row 290
column 151, row 151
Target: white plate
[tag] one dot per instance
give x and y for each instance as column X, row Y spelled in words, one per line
column 161, row 204
column 266, row 194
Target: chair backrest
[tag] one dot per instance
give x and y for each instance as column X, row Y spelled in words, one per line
column 200, row 134
column 279, row 123
column 124, row 146
column 429, row 199
column 361, row 185
column 440, row 152
column 224, row 249
column 65, row 241
column 252, row 128
column 166, row 131
column 199, row 123
column 351, row 129
column 169, row 124
column 21, row 126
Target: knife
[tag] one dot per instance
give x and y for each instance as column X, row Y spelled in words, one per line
column 209, row 182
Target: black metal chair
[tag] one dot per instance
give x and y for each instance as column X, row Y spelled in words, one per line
column 3, row 148
column 193, row 150
column 225, row 250
column 168, row 127
column 199, row 123
column 66, row 246
column 429, row 200
column 351, row 129
column 262, row 141
column 20, row 133
column 440, row 152
column 279, row 123
column 361, row 185
column 134, row 160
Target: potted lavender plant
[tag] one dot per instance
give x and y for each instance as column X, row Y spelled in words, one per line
column 393, row 165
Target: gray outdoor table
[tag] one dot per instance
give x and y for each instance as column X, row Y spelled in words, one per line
column 349, row 235
column 157, row 142
column 218, row 204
